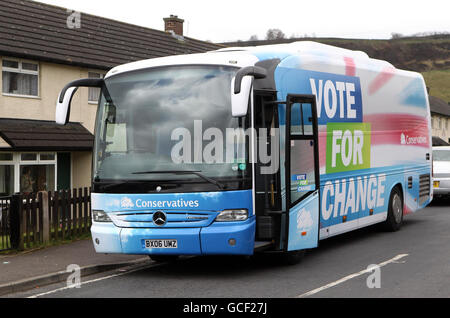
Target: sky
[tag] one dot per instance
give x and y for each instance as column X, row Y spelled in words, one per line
column 232, row 20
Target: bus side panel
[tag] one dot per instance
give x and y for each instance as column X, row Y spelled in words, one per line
column 351, row 201
column 374, row 133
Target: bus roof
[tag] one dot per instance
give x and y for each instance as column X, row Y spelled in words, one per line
column 236, row 59
column 248, row 56
column 302, row 47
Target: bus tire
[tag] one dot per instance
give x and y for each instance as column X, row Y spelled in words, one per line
column 395, row 211
column 163, row 258
column 292, row 258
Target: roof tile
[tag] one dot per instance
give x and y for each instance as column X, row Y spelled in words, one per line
column 37, row 135
column 39, row 31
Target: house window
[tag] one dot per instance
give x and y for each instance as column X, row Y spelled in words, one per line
column 28, row 156
column 6, row 156
column 34, row 178
column 47, row 156
column 6, row 174
column 27, row 172
column 6, row 180
column 20, row 78
column 37, row 172
column 94, row 92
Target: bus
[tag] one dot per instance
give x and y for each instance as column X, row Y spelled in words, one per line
column 258, row 148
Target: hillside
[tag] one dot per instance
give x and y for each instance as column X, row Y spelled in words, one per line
column 438, row 82
column 420, row 54
column 429, row 55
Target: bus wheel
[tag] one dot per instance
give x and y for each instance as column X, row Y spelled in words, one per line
column 395, row 211
column 292, row 258
column 163, row 258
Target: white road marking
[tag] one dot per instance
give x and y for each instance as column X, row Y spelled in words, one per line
column 346, row 278
column 312, row 292
column 95, row 280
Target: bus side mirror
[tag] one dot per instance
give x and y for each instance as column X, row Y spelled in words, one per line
column 63, row 108
column 62, row 114
column 239, row 101
column 241, row 87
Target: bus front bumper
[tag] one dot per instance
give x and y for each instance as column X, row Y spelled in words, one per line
column 227, row 238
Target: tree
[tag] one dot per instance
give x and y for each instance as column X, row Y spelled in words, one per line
column 395, row 35
column 274, row 34
column 254, row 37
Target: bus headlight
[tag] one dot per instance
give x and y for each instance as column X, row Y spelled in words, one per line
column 232, row 215
column 100, row 216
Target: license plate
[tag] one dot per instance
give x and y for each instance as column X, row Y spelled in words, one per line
column 161, row 244
column 436, row 184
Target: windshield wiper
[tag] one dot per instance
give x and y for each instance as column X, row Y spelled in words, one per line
column 197, row 173
column 113, row 185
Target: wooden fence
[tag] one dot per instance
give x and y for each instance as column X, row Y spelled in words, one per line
column 40, row 218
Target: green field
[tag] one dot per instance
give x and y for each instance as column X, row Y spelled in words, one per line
column 439, row 83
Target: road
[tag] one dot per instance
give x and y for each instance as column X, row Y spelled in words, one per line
column 414, row 262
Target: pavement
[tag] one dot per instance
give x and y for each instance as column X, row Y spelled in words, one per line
column 36, row 268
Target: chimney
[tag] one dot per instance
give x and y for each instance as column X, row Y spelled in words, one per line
column 174, row 24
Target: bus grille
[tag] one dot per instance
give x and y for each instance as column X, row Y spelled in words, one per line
column 424, row 188
column 175, row 219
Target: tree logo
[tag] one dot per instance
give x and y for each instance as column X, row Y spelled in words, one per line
column 403, row 139
column 126, row 203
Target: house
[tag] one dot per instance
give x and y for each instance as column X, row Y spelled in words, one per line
column 440, row 119
column 43, row 47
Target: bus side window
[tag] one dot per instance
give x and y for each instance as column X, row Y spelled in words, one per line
column 116, row 130
column 301, row 120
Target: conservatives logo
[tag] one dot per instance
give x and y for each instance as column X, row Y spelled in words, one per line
column 126, row 203
column 304, row 221
column 414, row 140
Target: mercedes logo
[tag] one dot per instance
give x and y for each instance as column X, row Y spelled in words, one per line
column 159, row 218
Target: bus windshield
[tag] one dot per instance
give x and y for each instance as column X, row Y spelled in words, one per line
column 155, row 124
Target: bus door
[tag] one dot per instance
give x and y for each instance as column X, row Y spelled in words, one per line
column 302, row 176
